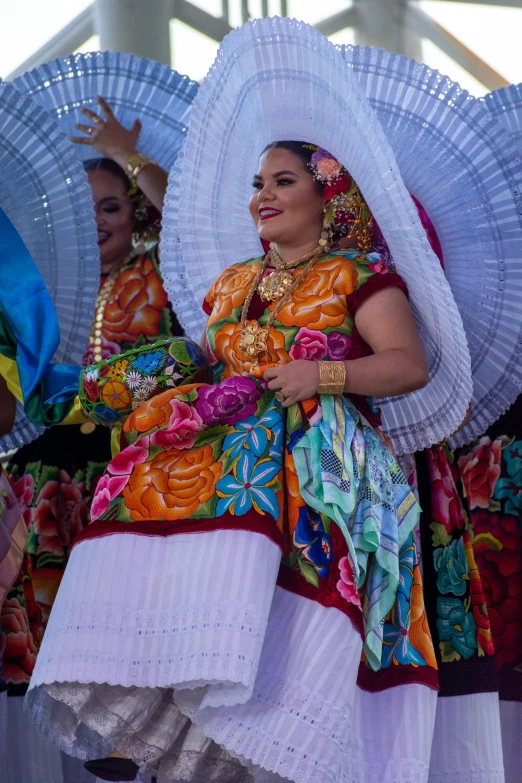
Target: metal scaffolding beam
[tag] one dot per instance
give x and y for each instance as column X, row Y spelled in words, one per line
column 427, row 27
column 66, row 41
column 131, row 25
column 382, row 23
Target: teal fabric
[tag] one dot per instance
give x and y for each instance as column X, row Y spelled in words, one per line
column 347, row 472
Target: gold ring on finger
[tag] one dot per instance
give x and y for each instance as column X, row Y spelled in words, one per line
column 280, row 397
column 90, row 131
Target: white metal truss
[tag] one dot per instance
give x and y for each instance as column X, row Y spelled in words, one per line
column 142, row 28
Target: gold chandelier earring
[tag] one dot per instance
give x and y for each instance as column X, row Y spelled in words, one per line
column 326, row 240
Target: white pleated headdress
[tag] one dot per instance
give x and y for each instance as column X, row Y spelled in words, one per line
column 279, row 79
column 134, row 87
column 462, row 166
column 505, row 105
column 45, row 193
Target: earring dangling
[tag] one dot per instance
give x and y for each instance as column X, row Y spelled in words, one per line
column 326, row 239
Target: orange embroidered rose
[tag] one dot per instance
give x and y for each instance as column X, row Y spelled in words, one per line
column 172, row 485
column 294, row 501
column 419, row 631
column 230, row 290
column 115, row 395
column 319, row 302
column 156, row 412
column 227, row 350
column 135, row 305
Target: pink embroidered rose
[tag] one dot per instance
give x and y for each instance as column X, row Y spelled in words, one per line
column 109, row 487
column 310, row 346
column 346, row 584
column 123, row 463
column 379, row 267
column 480, row 471
column 185, row 422
column 119, row 470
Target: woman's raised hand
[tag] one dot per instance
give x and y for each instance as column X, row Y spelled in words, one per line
column 108, row 136
column 296, row 381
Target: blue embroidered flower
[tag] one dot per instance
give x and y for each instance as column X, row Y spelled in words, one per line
column 147, row 362
column 456, row 626
column 313, row 541
column 255, row 434
column 249, row 485
column 397, row 648
column 510, row 487
column 451, row 564
column 295, row 437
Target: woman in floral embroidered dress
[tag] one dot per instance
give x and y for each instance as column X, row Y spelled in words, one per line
column 54, row 477
column 234, row 458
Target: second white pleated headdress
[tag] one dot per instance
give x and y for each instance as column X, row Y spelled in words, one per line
column 463, row 167
column 279, row 79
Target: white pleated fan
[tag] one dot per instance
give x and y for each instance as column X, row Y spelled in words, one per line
column 134, row 87
column 505, row 105
column 462, row 166
column 277, row 79
column 45, row 193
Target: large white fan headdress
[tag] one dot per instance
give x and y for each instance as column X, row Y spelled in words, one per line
column 463, row 168
column 279, row 79
column 134, row 87
column 505, row 105
column 45, row 194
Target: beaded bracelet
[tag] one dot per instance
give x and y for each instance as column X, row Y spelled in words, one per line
column 332, row 377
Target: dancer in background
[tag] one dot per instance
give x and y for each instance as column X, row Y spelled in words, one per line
column 206, row 654
column 55, row 476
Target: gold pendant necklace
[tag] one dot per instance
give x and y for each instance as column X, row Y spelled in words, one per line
column 254, row 336
column 280, row 281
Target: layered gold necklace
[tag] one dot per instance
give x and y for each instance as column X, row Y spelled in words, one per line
column 276, row 284
column 254, row 336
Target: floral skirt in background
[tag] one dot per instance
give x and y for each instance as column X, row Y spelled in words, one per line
column 53, row 479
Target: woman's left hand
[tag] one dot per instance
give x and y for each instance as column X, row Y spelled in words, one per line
column 108, row 136
column 296, row 381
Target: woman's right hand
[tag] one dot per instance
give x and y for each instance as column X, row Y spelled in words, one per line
column 108, row 136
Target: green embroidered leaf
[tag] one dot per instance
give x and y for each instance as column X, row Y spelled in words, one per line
column 308, row 572
column 264, row 403
column 206, row 510
column 153, row 452
column 294, row 419
column 288, row 333
column 49, row 473
column 94, row 469
column 448, row 653
column 344, row 328
column 79, row 476
column 50, row 560
column 440, row 536
column 494, row 506
column 165, row 324
column 31, row 546
column 119, row 511
column 211, row 435
column 227, row 461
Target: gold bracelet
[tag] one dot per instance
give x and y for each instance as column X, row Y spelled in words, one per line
column 332, row 377
column 134, row 165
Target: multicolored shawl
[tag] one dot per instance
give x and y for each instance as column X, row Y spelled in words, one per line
column 360, row 486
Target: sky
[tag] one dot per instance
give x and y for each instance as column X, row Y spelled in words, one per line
column 492, row 32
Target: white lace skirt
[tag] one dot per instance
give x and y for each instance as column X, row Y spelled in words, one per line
column 181, row 653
